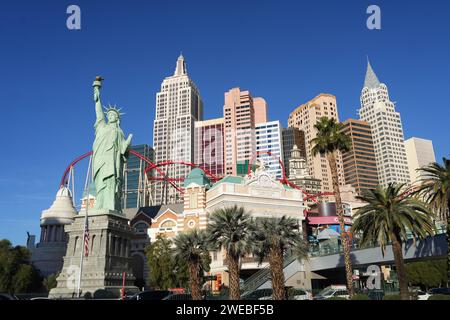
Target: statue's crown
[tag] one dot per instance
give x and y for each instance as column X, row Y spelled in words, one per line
column 114, row 108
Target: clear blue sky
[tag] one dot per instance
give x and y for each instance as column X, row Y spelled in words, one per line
column 284, row 51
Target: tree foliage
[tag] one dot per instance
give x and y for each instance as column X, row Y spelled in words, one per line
column 17, row 274
column 389, row 212
column 193, row 249
column 435, row 188
column 272, row 239
column 164, row 271
column 50, row 281
column 329, row 141
column 330, row 137
column 230, row 229
column 390, row 217
column 427, row 274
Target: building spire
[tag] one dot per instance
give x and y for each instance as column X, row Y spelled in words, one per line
column 371, row 80
column 181, row 66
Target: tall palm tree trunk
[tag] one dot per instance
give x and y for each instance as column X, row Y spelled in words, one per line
column 340, row 213
column 194, row 280
column 233, row 268
column 400, row 266
column 276, row 271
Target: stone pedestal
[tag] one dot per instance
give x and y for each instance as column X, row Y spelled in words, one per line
column 109, row 256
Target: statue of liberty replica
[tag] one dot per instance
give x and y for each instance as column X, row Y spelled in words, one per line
column 109, row 154
column 97, row 262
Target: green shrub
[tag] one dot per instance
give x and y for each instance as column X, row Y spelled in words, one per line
column 336, row 298
column 103, row 294
column 88, row 296
column 360, row 297
column 439, row 297
column 392, row 297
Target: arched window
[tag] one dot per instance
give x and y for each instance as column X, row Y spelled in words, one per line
column 141, row 228
column 167, row 225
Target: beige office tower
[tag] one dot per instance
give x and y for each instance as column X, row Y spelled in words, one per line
column 419, row 153
column 304, row 118
column 240, row 138
column 387, row 131
column 178, row 106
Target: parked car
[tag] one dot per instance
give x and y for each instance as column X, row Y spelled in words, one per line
column 444, row 291
column 258, row 294
column 266, row 294
column 334, row 291
column 179, row 296
column 150, row 295
column 422, row 295
column 7, row 296
column 299, row 294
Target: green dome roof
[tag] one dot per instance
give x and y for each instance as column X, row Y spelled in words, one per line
column 197, row 176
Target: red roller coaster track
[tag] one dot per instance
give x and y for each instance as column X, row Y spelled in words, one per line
column 284, row 179
column 214, row 178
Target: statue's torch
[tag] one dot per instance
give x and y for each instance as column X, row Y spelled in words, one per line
column 98, row 82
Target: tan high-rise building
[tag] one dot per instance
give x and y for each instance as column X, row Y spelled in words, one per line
column 419, row 153
column 240, row 138
column 260, row 106
column 304, row 118
column 360, row 168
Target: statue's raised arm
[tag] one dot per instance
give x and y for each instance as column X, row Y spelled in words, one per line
column 98, row 105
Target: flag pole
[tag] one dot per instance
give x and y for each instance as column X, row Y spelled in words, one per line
column 86, row 190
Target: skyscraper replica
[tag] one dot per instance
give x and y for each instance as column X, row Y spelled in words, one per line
column 379, row 111
column 360, row 167
column 136, row 189
column 209, row 152
column 305, row 117
column 269, row 140
column 419, row 153
column 178, row 106
column 241, row 113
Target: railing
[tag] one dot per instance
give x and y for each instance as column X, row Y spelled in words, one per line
column 261, row 276
column 321, row 250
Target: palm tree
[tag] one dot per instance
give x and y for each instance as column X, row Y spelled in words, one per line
column 388, row 217
column 230, row 229
column 435, row 188
column 329, row 141
column 193, row 248
column 273, row 237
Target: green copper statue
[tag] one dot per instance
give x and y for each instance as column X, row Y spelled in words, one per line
column 110, row 152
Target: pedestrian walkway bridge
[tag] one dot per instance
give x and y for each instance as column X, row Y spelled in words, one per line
column 430, row 247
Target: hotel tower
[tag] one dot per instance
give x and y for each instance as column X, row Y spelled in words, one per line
column 178, row 106
column 305, row 117
column 379, row 111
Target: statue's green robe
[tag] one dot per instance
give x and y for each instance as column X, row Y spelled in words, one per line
column 108, row 157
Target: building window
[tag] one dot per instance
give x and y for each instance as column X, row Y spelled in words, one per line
column 167, row 225
column 193, row 201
